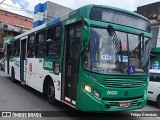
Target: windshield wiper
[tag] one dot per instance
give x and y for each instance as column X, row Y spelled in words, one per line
column 141, row 37
column 116, row 42
column 141, row 47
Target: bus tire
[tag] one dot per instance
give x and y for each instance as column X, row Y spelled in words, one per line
column 158, row 101
column 13, row 76
column 51, row 93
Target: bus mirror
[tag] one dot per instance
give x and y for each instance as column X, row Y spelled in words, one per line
column 85, row 33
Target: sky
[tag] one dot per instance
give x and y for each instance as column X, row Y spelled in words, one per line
column 73, row 4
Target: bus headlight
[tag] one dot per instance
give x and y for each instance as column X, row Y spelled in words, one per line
column 87, row 88
column 96, row 93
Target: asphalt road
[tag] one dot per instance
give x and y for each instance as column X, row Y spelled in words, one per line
column 16, row 97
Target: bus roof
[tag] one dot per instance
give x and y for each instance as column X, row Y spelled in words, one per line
column 82, row 10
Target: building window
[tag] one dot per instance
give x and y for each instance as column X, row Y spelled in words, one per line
column 5, row 26
column 53, row 42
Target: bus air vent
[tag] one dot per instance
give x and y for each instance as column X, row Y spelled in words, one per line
column 123, row 83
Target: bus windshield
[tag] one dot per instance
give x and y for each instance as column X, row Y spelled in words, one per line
column 116, row 53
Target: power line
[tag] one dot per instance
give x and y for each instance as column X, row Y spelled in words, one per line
column 11, row 7
column 2, row 1
column 17, row 8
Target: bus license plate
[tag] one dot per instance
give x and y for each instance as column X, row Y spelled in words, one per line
column 125, row 104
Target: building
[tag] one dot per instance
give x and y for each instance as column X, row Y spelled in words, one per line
column 152, row 12
column 12, row 25
column 48, row 11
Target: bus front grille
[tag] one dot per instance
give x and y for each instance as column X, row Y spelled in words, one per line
column 123, row 83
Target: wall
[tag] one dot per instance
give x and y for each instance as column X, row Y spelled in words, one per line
column 11, row 18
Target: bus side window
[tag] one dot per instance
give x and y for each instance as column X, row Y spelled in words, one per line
column 40, row 38
column 16, row 48
column 5, row 50
column 12, row 48
column 53, row 42
column 31, row 48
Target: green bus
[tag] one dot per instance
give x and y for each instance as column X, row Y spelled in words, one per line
column 95, row 58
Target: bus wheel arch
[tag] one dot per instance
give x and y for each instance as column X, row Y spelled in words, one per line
column 49, row 90
column 158, row 101
column 45, row 83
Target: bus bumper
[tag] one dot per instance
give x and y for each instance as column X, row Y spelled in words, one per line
column 90, row 103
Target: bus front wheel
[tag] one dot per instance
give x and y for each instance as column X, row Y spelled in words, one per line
column 51, row 93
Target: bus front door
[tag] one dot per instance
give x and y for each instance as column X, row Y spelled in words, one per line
column 72, row 54
column 22, row 60
column 8, row 57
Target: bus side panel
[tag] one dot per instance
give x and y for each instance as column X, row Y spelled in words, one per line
column 35, row 75
column 5, row 64
column 57, row 83
column 17, row 68
column 11, row 64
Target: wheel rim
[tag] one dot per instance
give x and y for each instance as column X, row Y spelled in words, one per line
column 51, row 91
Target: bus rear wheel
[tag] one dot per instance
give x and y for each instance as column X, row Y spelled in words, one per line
column 158, row 101
column 51, row 93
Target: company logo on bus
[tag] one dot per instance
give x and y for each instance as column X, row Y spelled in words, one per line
column 126, row 93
